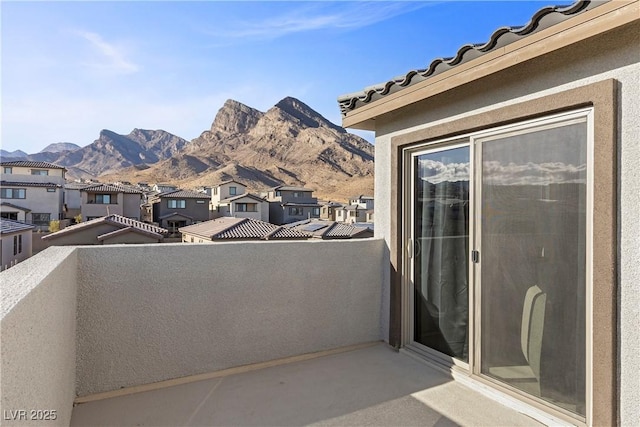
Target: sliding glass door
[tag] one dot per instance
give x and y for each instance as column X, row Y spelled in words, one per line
column 498, row 265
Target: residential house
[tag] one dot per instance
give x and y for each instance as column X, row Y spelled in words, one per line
column 370, row 216
column 228, row 229
column 179, row 208
column 73, row 198
column 331, row 230
column 230, row 198
column 328, row 210
column 32, row 192
column 362, row 201
column 163, row 187
column 105, row 199
column 507, row 177
column 289, row 204
column 15, row 242
column 351, row 214
column 110, row 229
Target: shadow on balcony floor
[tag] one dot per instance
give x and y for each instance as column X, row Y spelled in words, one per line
column 370, row 386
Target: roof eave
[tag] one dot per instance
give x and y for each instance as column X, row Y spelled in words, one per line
column 596, row 21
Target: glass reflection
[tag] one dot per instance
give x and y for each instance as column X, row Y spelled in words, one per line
column 533, row 258
column 441, row 291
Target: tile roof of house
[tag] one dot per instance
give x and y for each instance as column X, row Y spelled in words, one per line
column 118, row 220
column 8, row 226
column 229, row 181
column 290, row 188
column 29, row 164
column 227, row 228
column 127, row 230
column 29, row 184
column 11, row 205
column 169, row 215
column 543, row 18
column 110, row 188
column 240, row 196
column 183, row 194
column 76, row 185
column 324, row 229
column 312, row 205
column 362, row 197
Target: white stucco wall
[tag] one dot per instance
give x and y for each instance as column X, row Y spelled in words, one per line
column 38, row 338
column 615, row 55
column 154, row 312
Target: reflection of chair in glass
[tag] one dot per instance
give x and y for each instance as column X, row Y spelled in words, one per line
column 527, row 377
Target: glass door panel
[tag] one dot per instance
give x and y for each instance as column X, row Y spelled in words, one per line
column 533, row 261
column 441, row 248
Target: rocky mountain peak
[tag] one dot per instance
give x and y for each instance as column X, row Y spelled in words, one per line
column 306, row 115
column 235, row 117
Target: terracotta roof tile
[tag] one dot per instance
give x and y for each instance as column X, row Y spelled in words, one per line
column 543, row 18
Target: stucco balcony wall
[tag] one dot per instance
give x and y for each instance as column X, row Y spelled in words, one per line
column 148, row 313
column 88, row 319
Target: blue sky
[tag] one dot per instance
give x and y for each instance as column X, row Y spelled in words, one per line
column 70, row 69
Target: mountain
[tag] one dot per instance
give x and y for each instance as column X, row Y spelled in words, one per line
column 112, row 152
column 12, row 154
column 289, row 144
column 60, row 146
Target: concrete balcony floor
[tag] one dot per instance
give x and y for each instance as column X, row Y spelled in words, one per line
column 369, row 386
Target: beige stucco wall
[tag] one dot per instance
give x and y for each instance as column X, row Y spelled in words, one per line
column 87, row 236
column 130, row 238
column 615, row 55
column 38, row 352
column 23, row 174
column 131, row 206
column 174, row 310
column 6, row 245
column 98, row 210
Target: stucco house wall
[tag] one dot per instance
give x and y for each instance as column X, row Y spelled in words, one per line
column 94, row 210
column 87, row 236
column 614, row 55
column 38, row 200
column 129, row 238
column 131, row 206
column 6, row 248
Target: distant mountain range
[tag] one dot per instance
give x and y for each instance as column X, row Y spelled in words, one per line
column 289, row 144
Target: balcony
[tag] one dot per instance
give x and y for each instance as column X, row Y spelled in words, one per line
column 179, row 334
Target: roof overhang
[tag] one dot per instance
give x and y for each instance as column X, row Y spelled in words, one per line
column 599, row 20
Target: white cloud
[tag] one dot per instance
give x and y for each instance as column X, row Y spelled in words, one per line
column 349, row 15
column 496, row 173
column 436, row 172
column 113, row 55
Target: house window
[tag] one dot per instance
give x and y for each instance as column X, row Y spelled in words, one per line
column 353, row 213
column 51, row 190
column 40, row 218
column 295, row 211
column 315, row 212
column 215, row 191
column 278, row 193
column 39, row 172
column 296, row 194
column 9, row 215
column 246, row 207
column 200, row 202
column 523, row 249
column 13, row 193
column 7, row 170
column 233, row 191
column 176, row 204
column 103, row 199
column 20, row 243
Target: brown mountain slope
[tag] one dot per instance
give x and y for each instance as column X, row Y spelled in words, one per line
column 289, row 144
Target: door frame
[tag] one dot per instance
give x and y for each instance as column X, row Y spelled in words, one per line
column 602, row 96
